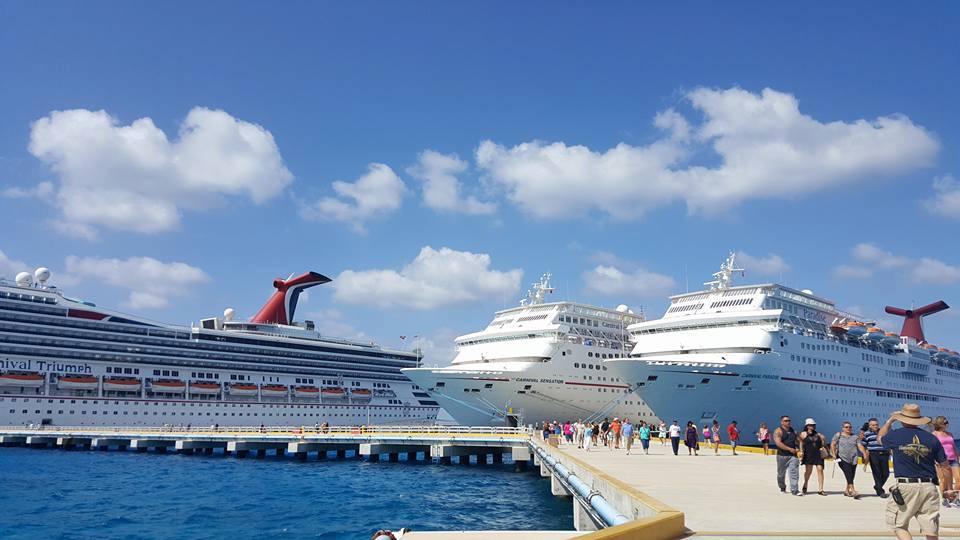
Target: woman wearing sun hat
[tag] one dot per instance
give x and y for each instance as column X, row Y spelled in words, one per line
column 916, row 456
column 812, row 444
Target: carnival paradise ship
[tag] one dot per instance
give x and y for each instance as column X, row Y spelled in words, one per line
column 752, row 353
column 539, row 361
column 69, row 362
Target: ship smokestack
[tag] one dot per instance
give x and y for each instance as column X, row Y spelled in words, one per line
column 912, row 318
column 280, row 308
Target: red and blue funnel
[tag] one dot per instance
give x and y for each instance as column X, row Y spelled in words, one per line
column 280, row 307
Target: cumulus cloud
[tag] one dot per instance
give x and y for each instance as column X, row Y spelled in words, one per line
column 632, row 283
column 441, row 188
column 132, row 178
column 40, row 191
column 150, row 282
column 771, row 265
column 9, row 268
column 377, row 193
column 766, row 148
column 946, row 197
column 435, row 278
column 872, row 259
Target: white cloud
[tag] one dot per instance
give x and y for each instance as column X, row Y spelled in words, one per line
column 40, row 191
column 635, row 283
column 766, row 147
column 935, row 271
column 771, row 265
column 9, row 268
column 441, row 189
column 377, row 193
column 946, row 199
column 132, row 178
column 924, row 270
column 436, row 278
column 150, row 282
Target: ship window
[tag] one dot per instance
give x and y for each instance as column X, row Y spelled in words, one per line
column 745, row 383
column 704, row 381
column 651, row 377
column 576, row 364
column 441, row 384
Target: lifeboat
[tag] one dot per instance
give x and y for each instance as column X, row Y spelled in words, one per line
column 274, row 390
column 856, row 329
column 942, row 353
column 121, row 384
column 208, row 388
column 21, row 379
column 874, row 334
column 77, row 383
column 838, row 329
column 306, row 391
column 889, row 338
column 243, row 389
column 361, row 393
column 333, row 392
column 168, row 386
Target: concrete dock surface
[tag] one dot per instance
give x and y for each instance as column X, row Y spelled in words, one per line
column 732, row 496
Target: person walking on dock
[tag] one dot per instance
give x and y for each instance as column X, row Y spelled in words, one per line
column 763, row 437
column 733, row 433
column 614, row 434
column 812, row 448
column 877, row 457
column 714, row 437
column 916, row 456
column 662, row 432
column 626, row 432
column 845, row 448
column 692, row 439
column 675, row 437
column 644, row 432
column 948, row 474
column 785, row 439
column 587, row 437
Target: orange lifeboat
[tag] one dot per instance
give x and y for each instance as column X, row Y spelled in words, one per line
column 274, row 390
column 168, row 386
column 21, row 379
column 362, row 394
column 306, row 391
column 889, row 338
column 206, row 388
column 874, row 334
column 239, row 389
column 333, row 392
column 856, row 328
column 77, row 383
column 121, row 384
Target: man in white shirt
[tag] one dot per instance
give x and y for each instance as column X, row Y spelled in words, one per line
column 675, row 437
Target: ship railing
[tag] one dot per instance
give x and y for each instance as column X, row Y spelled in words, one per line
column 283, row 430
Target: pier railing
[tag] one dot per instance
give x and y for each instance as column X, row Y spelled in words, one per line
column 283, row 430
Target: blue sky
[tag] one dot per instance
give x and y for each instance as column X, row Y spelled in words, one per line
column 625, row 148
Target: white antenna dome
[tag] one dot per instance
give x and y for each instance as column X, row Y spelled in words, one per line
column 228, row 314
column 41, row 275
column 630, row 311
column 622, row 308
column 807, row 291
column 24, row 279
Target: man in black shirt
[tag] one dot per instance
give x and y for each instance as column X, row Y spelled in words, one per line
column 916, row 456
column 785, row 439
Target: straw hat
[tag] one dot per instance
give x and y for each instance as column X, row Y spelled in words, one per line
column 910, row 415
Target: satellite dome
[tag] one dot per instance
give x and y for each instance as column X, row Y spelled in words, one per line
column 41, row 275
column 24, row 279
column 807, row 291
column 228, row 314
column 622, row 308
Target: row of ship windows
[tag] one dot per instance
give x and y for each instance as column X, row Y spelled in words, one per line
column 156, row 413
column 589, row 366
column 727, row 303
column 812, row 360
column 186, row 404
column 579, row 320
column 823, row 347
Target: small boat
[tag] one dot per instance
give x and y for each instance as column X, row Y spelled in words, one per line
column 874, row 334
column 856, row 328
column 333, row 392
column 21, row 379
column 168, row 386
column 274, row 390
column 207, row 388
column 361, row 393
column 889, row 338
column 239, row 389
column 121, row 384
column 838, row 328
column 77, row 383
column 306, row 391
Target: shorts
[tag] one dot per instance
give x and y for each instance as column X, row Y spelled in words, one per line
column 733, row 443
column 921, row 501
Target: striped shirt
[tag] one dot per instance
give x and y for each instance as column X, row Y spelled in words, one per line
column 870, row 441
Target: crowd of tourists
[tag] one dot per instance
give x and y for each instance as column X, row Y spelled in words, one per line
column 622, row 434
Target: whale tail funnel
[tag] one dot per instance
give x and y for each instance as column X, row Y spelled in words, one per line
column 913, row 318
column 280, row 307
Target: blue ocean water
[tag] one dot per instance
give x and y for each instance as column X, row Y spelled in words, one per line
column 84, row 494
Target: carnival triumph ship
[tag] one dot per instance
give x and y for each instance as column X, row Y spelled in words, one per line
column 752, row 353
column 68, row 362
column 539, row 361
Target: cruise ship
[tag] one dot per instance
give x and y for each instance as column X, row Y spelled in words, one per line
column 752, row 353
column 69, row 362
column 538, row 361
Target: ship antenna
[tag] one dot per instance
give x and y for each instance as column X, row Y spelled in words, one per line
column 538, row 291
column 724, row 278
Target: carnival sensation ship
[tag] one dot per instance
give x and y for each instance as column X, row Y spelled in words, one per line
column 752, row 353
column 538, row 361
column 69, row 362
